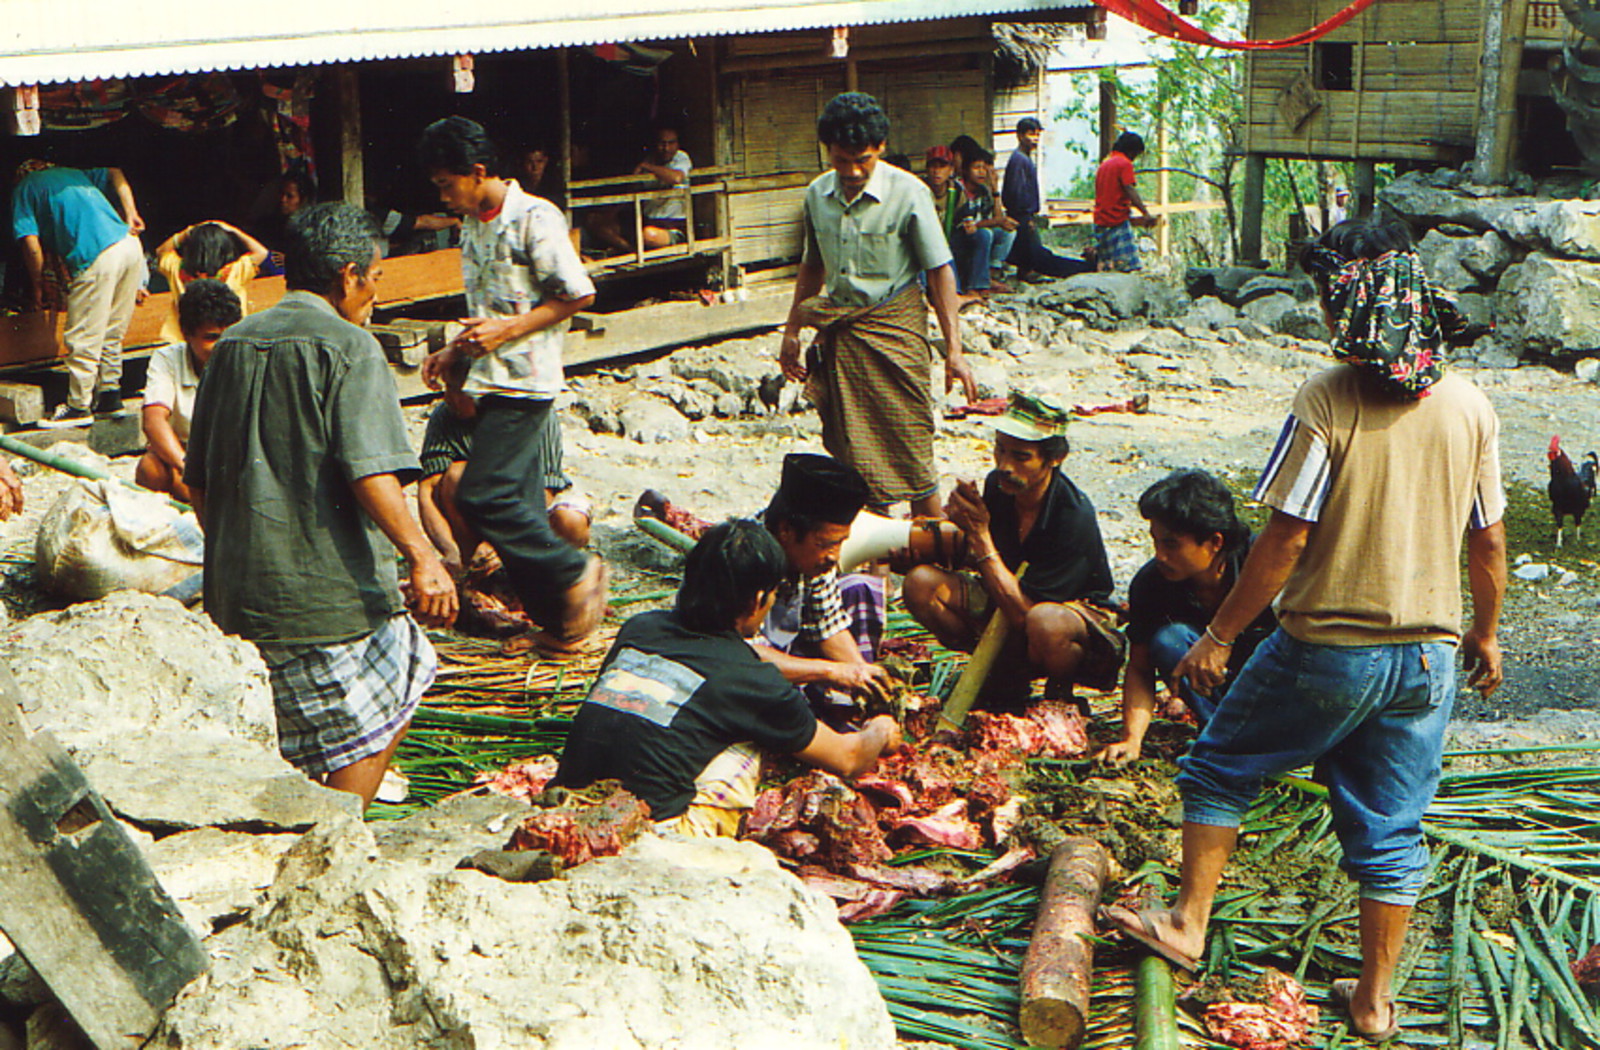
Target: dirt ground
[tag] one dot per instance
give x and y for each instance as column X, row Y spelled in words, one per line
column 1215, row 403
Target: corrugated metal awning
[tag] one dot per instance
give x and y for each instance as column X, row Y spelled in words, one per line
column 51, row 41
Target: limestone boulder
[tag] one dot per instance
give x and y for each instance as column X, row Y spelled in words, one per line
column 1263, row 285
column 651, row 421
column 1561, row 227
column 738, row 366
column 1462, row 264
column 1551, row 306
column 171, row 720
column 1268, row 311
column 1110, row 296
column 1303, row 321
column 689, row 945
column 1211, row 313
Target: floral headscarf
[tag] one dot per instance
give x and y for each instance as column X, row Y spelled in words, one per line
column 1388, row 318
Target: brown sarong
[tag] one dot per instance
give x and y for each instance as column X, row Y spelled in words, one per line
column 870, row 373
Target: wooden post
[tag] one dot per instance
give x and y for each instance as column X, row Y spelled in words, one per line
column 76, row 896
column 1252, row 208
column 1060, row 960
column 1504, row 30
column 1108, row 116
column 1365, row 190
column 564, row 103
column 352, row 169
column 1163, row 186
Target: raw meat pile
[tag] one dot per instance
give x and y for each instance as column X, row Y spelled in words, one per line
column 488, row 604
column 525, row 780
column 1586, row 971
column 841, row 838
column 1269, row 1013
column 596, row 822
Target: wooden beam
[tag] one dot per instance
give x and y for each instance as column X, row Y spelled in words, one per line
column 1252, row 208
column 1504, row 30
column 885, row 53
column 352, row 164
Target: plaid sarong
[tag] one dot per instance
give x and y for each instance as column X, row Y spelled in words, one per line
column 1115, row 247
column 338, row 704
column 870, row 373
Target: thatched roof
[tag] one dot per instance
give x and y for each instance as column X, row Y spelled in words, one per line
column 1028, row 45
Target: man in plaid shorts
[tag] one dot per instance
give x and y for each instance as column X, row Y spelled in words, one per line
column 296, row 456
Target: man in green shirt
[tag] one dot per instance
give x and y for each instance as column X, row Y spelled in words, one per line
column 870, row 231
column 296, row 456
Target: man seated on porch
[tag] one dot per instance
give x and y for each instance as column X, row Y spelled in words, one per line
column 666, row 221
column 682, row 707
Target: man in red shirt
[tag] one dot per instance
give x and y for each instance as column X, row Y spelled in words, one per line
column 1115, row 195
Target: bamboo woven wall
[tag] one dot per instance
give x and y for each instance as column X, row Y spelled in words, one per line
column 1412, row 89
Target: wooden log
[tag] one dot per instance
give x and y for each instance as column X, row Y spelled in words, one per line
column 1155, row 1006
column 1060, row 962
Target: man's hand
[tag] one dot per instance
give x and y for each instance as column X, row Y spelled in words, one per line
column 871, row 679
column 10, row 491
column 135, row 223
column 431, row 593
column 1121, row 753
column 966, row 509
column 956, row 370
column 1480, row 654
column 789, row 358
column 1205, row 666
column 436, row 367
column 969, row 226
column 1007, row 223
column 485, row 335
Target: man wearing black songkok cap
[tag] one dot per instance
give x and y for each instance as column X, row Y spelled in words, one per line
column 809, row 635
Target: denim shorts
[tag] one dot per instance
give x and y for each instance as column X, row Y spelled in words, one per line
column 1372, row 718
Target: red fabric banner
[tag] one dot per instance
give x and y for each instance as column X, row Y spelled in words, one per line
column 1153, row 16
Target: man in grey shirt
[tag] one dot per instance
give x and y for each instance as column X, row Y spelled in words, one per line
column 296, row 457
column 870, row 232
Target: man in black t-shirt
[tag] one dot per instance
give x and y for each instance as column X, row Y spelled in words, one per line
column 1200, row 544
column 682, row 702
column 1030, row 512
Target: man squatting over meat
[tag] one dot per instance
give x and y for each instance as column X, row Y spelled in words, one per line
column 1029, row 511
column 870, row 230
column 683, row 703
column 295, row 460
column 1385, row 461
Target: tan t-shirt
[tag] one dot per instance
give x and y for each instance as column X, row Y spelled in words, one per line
column 1391, row 485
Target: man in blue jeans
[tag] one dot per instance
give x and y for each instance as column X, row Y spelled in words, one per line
column 1200, row 546
column 1384, row 462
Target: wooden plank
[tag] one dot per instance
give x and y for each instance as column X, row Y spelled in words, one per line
column 1546, row 23
column 665, row 325
column 76, row 896
column 1459, row 21
column 35, row 337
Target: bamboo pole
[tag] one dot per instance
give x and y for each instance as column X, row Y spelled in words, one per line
column 1155, row 1006
column 660, row 530
column 978, row 667
column 56, row 461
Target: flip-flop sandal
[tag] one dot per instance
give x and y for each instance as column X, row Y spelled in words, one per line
column 586, row 609
column 1135, row 926
column 1343, row 991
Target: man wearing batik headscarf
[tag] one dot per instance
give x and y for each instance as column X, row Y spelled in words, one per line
column 1386, row 459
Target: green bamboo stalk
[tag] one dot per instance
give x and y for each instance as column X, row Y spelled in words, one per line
column 1155, row 1006
column 67, row 465
column 1460, row 932
column 1489, row 979
column 1554, row 986
column 660, row 530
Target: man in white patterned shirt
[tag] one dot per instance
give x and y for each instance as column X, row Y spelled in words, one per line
column 523, row 282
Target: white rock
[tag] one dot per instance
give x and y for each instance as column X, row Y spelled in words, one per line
column 1532, row 572
column 1588, row 369
column 700, row 945
column 1552, row 305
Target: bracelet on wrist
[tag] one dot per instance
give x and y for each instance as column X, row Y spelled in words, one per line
column 1218, row 641
column 986, row 557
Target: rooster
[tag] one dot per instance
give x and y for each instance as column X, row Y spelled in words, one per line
column 1570, row 490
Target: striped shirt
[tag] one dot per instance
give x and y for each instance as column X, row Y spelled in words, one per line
column 1391, row 486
